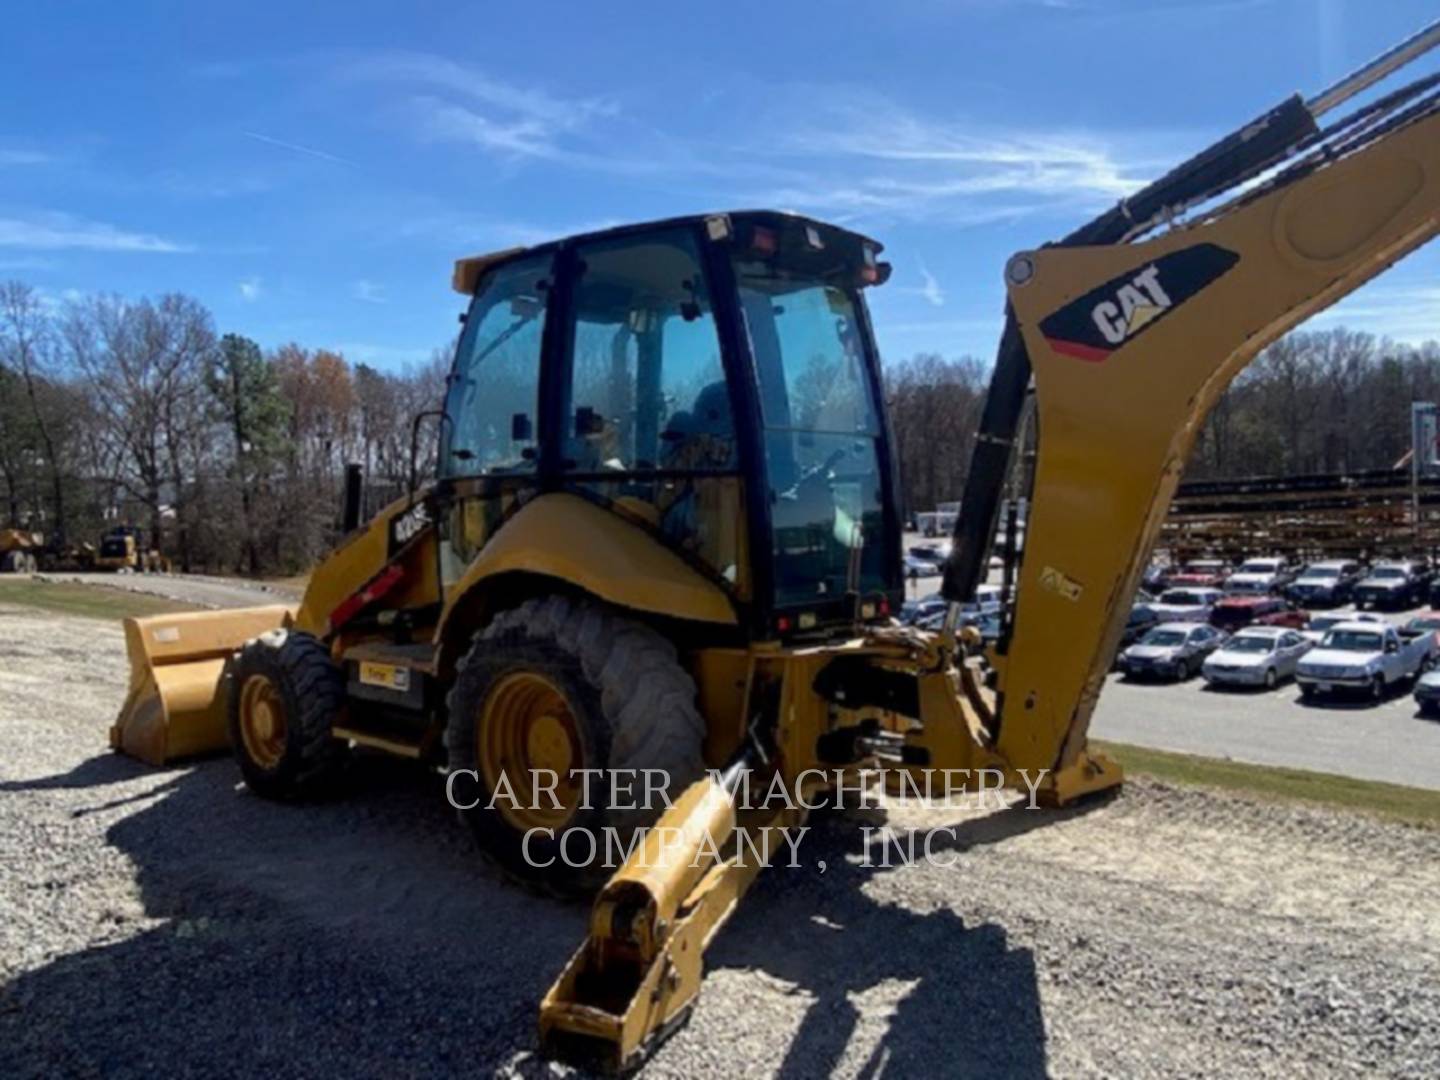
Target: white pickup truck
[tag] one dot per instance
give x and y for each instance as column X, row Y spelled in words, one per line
column 1364, row 657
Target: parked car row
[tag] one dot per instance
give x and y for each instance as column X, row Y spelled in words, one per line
column 1393, row 584
column 1355, row 654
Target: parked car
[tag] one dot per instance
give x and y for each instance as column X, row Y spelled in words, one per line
column 1261, row 576
column 1320, row 625
column 1427, row 693
column 928, row 612
column 1232, row 612
column 1364, row 657
column 1427, row 622
column 1393, row 586
column 1257, row 656
column 1174, row 650
column 1201, row 573
column 1141, row 621
column 918, row 568
column 934, row 554
column 1327, row 583
column 912, row 611
column 1177, row 605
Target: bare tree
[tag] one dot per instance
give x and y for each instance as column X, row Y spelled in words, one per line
column 28, row 350
column 144, row 362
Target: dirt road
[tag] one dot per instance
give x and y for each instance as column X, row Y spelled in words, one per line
column 168, row 921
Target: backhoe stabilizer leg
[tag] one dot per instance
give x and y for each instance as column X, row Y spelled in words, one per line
column 1089, row 774
column 638, row 973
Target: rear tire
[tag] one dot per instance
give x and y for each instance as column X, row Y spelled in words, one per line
column 626, row 703
column 286, row 696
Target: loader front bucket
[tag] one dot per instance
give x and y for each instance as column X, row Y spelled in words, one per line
column 174, row 707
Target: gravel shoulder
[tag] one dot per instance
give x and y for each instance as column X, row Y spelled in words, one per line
column 165, row 920
column 198, row 589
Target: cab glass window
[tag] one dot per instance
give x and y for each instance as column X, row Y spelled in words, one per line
column 647, row 388
column 492, row 400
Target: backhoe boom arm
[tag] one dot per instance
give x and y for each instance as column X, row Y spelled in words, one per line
column 1131, row 345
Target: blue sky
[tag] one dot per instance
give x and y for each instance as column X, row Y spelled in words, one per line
column 310, row 170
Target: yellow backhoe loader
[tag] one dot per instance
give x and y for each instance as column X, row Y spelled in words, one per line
column 664, row 540
column 123, row 549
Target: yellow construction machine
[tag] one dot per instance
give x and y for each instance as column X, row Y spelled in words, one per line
column 123, row 549
column 20, row 551
column 664, row 539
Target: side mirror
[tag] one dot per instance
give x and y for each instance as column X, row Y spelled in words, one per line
column 521, row 430
column 1392, row 646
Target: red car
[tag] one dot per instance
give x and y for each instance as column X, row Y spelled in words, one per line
column 1233, row 612
column 1200, row 574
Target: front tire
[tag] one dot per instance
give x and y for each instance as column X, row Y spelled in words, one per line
column 1272, row 678
column 286, row 696
column 564, row 685
column 1377, row 688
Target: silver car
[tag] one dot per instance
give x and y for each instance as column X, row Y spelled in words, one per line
column 1174, row 650
column 1257, row 656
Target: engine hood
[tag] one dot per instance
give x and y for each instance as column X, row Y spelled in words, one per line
column 1239, row 659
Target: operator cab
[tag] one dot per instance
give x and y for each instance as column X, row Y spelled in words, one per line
column 712, row 379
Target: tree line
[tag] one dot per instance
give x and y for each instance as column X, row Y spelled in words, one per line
column 116, row 411
column 137, row 412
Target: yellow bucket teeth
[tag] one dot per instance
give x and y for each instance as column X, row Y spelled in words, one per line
column 174, row 707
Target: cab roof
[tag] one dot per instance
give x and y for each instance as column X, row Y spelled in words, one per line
column 469, row 271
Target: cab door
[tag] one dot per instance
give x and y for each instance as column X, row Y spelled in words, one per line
column 489, row 454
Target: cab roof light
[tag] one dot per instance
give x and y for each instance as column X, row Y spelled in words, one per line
column 764, row 240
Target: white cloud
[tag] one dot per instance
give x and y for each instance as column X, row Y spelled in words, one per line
column 522, row 137
column 464, row 104
column 23, row 157
column 931, row 291
column 901, row 164
column 928, row 290
column 53, row 231
column 250, row 290
column 369, row 291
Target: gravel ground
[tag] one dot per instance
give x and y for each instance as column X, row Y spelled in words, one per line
column 166, row 921
column 198, row 589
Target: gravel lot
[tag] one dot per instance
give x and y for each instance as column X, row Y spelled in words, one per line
column 198, row 589
column 166, row 921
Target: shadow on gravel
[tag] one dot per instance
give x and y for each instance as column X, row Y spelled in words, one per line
column 363, row 937
column 972, row 1005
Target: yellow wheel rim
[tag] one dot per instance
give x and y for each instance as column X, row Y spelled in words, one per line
column 527, row 728
column 262, row 721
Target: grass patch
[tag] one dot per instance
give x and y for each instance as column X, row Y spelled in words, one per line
column 86, row 601
column 1415, row 805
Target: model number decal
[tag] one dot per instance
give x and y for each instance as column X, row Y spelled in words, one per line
column 405, row 527
column 1106, row 318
